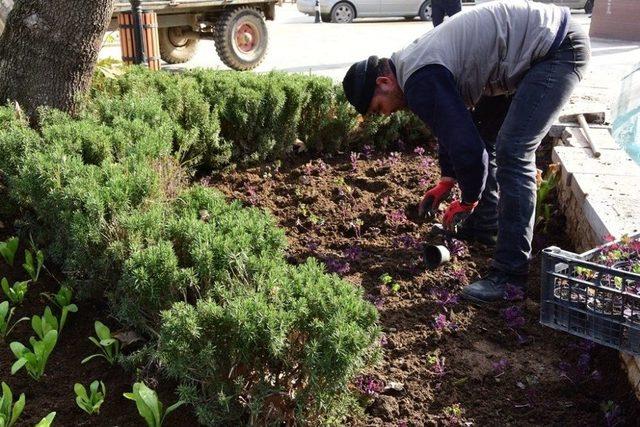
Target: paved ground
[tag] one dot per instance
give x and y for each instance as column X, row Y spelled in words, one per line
column 297, row 44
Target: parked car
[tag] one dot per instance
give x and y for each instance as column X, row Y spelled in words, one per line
column 587, row 5
column 343, row 11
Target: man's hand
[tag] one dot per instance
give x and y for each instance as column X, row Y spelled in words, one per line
column 456, row 213
column 434, row 197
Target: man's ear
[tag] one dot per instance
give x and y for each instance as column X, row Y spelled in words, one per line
column 383, row 81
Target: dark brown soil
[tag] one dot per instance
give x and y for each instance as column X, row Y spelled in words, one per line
column 54, row 391
column 543, row 383
column 328, row 209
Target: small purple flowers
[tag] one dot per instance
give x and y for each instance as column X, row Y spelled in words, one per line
column 338, row 266
column 514, row 317
column 394, row 158
column 353, row 253
column 460, row 275
column 353, row 157
column 419, row 151
column 500, row 367
column 444, row 298
column 441, row 324
column 456, row 247
column 397, row 217
column 251, row 193
column 513, row 293
column 369, row 386
column 368, row 150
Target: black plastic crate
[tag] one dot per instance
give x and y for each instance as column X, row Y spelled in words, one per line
column 590, row 300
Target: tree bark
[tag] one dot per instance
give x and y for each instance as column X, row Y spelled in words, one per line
column 48, row 51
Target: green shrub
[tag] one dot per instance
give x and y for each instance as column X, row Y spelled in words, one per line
column 281, row 349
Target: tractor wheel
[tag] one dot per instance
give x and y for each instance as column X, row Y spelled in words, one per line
column 241, row 38
column 175, row 48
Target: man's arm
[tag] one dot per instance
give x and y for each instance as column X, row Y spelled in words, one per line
column 432, row 94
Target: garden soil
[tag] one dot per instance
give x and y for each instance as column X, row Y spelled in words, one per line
column 359, row 215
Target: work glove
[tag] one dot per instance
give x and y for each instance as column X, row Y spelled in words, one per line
column 456, row 213
column 433, row 197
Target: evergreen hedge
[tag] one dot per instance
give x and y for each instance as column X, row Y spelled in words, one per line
column 250, row 338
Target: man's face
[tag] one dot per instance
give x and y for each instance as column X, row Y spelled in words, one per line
column 387, row 98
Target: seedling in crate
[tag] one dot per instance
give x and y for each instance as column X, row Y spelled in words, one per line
column 42, row 325
column 33, row 267
column 6, row 314
column 91, row 402
column 8, row 250
column 149, row 406
column 107, row 343
column 388, row 281
column 15, row 293
column 35, row 360
column 46, row 421
column 10, row 412
column 63, row 300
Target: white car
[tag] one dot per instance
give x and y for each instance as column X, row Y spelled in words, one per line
column 343, row 11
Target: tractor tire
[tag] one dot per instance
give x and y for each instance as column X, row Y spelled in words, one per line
column 174, row 47
column 241, row 38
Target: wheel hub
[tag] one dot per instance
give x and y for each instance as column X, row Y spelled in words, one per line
column 177, row 37
column 246, row 37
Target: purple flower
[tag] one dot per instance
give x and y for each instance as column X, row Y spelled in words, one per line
column 353, row 253
column 394, row 158
column 460, row 275
column 419, row 151
column 312, row 245
column 251, row 192
column 441, row 323
column 337, row 266
column 376, row 300
column 407, row 241
column 444, row 298
column 367, row 150
column 353, row 157
column 513, row 293
column 397, row 217
column 437, row 366
column 514, row 317
column 369, row 386
column 500, row 366
column 456, row 247
column 424, row 182
column 427, row 163
column 383, row 340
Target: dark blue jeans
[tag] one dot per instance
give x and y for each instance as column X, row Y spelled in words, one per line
column 512, row 128
column 442, row 8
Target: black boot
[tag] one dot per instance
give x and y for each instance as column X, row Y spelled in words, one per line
column 492, row 287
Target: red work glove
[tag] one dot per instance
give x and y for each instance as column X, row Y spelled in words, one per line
column 433, row 197
column 456, row 213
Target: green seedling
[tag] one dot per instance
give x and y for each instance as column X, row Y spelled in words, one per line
column 388, row 281
column 149, row 406
column 107, row 343
column 46, row 421
column 31, row 267
column 90, row 403
column 63, row 300
column 6, row 314
column 8, row 250
column 34, row 361
column 42, row 325
column 9, row 412
column 15, row 293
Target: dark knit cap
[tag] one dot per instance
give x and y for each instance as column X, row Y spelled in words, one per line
column 360, row 82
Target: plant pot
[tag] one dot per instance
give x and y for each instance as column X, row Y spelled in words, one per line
column 436, row 255
column 575, row 295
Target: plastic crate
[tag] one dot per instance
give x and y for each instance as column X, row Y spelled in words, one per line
column 589, row 300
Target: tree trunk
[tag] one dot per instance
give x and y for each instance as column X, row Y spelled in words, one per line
column 5, row 7
column 48, row 51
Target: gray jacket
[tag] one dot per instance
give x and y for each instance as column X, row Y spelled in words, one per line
column 489, row 48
